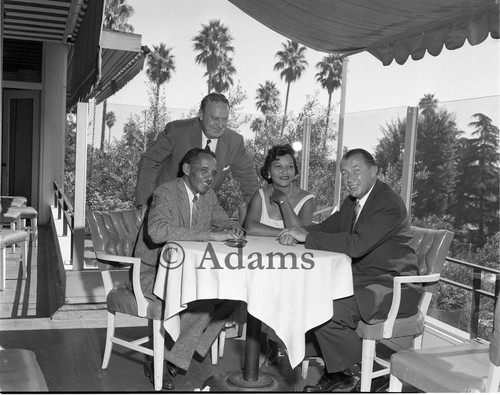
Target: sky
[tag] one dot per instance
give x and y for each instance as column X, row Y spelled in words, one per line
column 465, row 80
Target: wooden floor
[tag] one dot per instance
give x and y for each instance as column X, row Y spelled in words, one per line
column 69, row 347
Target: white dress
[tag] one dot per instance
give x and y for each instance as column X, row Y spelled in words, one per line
column 275, row 223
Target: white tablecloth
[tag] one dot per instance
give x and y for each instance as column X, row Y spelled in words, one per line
column 291, row 289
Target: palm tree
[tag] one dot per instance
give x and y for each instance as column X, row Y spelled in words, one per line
column 268, row 101
column 110, row 122
column 292, row 63
column 428, row 104
column 161, row 65
column 330, row 78
column 214, row 46
column 116, row 14
column 221, row 80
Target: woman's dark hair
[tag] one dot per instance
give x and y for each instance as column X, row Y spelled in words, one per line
column 272, row 155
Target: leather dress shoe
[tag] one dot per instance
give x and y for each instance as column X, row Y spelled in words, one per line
column 168, row 383
column 329, row 382
column 172, row 369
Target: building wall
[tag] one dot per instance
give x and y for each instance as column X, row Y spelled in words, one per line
column 53, row 116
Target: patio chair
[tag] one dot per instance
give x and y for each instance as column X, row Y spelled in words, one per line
column 9, row 237
column 17, row 204
column 114, row 234
column 465, row 368
column 431, row 247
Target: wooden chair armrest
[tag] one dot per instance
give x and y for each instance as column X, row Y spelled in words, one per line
column 123, row 259
column 396, row 297
column 135, row 262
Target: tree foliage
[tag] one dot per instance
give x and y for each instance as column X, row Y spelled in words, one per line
column 329, row 77
column 116, row 14
column 213, row 44
column 477, row 203
column 291, row 64
column 160, row 67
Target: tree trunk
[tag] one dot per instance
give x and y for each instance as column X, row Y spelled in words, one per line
column 286, row 106
column 327, row 121
column 103, row 128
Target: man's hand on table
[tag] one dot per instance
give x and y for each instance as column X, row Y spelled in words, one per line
column 291, row 236
column 235, row 232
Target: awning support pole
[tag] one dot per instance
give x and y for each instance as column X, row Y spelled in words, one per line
column 80, row 186
column 409, row 156
column 306, row 151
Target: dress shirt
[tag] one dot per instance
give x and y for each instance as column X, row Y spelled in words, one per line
column 213, row 142
column 190, row 198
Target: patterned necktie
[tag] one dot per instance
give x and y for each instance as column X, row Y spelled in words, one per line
column 207, row 147
column 194, row 213
column 357, row 209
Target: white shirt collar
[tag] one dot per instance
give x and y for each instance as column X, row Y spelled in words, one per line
column 190, row 192
column 213, row 142
column 362, row 201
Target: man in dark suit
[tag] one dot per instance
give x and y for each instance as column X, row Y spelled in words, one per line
column 372, row 227
column 186, row 208
column 161, row 162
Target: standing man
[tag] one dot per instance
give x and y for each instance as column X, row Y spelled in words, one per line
column 372, row 227
column 186, row 208
column 209, row 130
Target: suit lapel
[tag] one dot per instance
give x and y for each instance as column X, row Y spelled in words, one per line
column 195, row 137
column 220, row 152
column 368, row 204
column 183, row 203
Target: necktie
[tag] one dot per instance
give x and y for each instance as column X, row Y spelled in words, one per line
column 194, row 213
column 207, row 147
column 357, row 209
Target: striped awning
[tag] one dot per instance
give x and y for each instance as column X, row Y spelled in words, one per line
column 388, row 29
column 43, row 20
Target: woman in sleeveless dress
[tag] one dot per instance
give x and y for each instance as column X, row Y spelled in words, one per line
column 271, row 209
column 282, row 204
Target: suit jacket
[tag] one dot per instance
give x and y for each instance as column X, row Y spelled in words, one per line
column 161, row 162
column 379, row 247
column 169, row 219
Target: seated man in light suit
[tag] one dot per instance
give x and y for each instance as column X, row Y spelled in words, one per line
column 187, row 209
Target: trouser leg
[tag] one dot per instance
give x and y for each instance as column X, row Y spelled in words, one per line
column 339, row 343
column 193, row 322
column 223, row 309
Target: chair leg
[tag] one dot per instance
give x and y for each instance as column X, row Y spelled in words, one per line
column 110, row 332
column 417, row 342
column 158, row 353
column 24, row 257
column 222, row 342
column 2, row 270
column 367, row 364
column 213, row 352
column 395, row 385
column 13, row 227
column 493, row 381
column 34, row 229
column 304, row 368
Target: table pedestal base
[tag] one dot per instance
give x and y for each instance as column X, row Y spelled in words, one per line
column 233, row 382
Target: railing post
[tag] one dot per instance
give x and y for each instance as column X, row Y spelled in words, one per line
column 65, row 220
column 476, row 298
